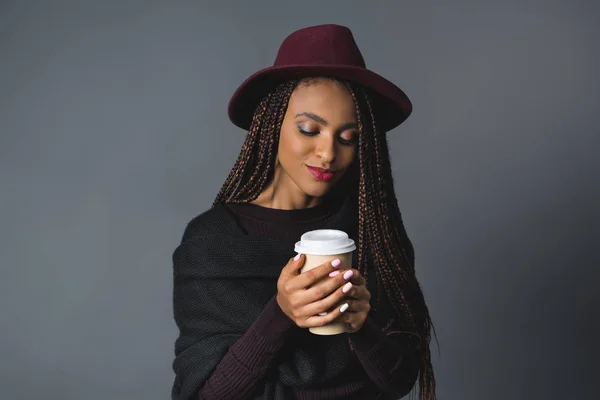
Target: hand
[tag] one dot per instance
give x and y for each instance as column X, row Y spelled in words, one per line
column 358, row 300
column 302, row 297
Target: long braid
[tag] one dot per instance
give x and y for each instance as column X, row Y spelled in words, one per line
column 256, row 160
column 393, row 252
column 272, row 125
column 382, row 240
column 234, row 179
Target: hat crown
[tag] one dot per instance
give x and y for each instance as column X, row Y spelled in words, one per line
column 320, row 45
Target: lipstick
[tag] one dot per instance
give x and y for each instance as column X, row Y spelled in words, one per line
column 320, row 173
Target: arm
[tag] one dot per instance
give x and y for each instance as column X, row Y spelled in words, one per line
column 247, row 360
column 391, row 365
column 223, row 349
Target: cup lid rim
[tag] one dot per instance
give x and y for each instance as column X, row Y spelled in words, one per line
column 325, row 242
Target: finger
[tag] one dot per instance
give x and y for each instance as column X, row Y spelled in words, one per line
column 293, row 266
column 354, row 325
column 354, row 306
column 343, row 306
column 355, row 320
column 328, row 291
column 312, row 276
column 357, row 278
column 348, row 316
column 325, row 296
column 358, row 292
column 332, row 315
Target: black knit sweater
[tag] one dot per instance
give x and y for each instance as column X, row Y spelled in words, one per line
column 382, row 367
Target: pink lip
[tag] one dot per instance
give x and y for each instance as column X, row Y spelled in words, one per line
column 320, row 173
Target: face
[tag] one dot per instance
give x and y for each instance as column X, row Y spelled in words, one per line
column 318, row 138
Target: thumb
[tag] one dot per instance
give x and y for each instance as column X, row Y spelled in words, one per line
column 295, row 264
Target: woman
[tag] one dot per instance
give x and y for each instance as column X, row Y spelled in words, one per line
column 315, row 157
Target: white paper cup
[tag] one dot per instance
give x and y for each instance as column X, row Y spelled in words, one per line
column 321, row 246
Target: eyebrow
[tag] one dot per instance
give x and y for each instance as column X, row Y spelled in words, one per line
column 320, row 120
column 314, row 117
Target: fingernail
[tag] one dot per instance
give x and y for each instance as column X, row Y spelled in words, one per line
column 334, row 273
column 323, row 313
column 297, row 257
column 348, row 274
column 344, row 307
column 347, row 287
column 336, row 263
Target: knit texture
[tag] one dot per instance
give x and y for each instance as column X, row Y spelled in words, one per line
column 236, row 343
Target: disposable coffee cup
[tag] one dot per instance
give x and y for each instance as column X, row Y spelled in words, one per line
column 325, row 245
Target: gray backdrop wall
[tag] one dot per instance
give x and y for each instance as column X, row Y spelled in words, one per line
column 114, row 134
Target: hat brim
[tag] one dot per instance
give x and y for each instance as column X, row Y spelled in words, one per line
column 391, row 105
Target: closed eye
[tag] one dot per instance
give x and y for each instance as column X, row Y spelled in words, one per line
column 345, row 141
column 340, row 138
column 308, row 133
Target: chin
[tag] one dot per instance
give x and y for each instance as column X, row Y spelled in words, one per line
column 318, row 190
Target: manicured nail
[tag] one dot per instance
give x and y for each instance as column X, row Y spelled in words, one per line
column 297, row 257
column 334, row 273
column 323, row 313
column 344, row 307
column 335, row 263
column 348, row 274
column 347, row 287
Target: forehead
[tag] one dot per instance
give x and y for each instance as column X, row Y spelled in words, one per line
column 323, row 97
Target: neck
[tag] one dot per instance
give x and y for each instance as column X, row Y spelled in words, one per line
column 282, row 193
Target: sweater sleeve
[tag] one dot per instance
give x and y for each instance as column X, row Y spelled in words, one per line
column 247, row 360
column 389, row 363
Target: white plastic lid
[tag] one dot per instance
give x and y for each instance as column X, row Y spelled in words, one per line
column 324, row 242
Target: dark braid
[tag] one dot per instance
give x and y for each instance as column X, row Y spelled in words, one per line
column 254, row 166
column 382, row 239
column 387, row 241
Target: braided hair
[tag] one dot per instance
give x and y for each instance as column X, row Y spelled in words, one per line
column 382, row 239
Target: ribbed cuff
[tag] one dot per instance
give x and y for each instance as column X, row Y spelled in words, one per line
column 273, row 323
column 263, row 339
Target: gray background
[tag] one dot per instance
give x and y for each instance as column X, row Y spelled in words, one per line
column 114, row 134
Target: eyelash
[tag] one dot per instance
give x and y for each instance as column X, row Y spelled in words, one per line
column 341, row 139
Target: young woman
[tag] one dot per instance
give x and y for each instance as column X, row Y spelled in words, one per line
column 315, row 157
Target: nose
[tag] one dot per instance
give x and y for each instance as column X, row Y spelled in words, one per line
column 326, row 149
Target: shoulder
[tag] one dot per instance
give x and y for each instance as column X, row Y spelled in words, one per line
column 211, row 222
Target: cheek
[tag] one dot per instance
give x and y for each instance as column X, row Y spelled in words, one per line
column 293, row 146
column 347, row 156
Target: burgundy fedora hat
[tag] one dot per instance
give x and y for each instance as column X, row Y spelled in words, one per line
column 322, row 50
